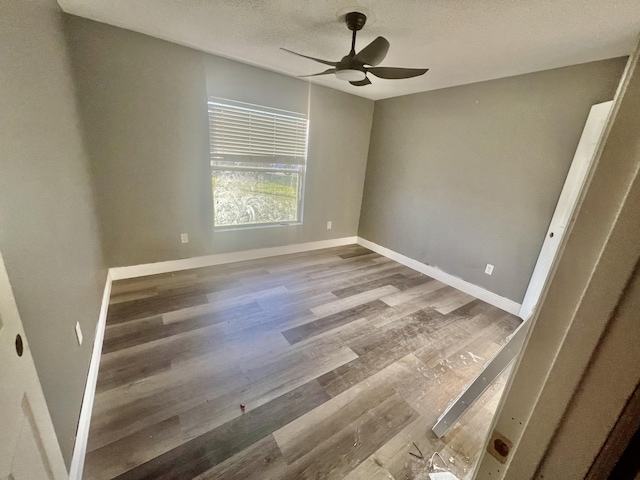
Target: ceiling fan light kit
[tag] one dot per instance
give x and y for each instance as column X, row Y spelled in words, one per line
column 353, row 67
column 351, row 75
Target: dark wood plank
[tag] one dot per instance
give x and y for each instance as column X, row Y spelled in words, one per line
column 126, row 372
column 202, row 453
column 344, row 451
column 157, row 329
column 147, row 307
column 367, row 364
column 411, row 330
column 401, row 282
column 355, row 253
column 298, row 334
column 201, row 286
column 133, row 450
column 250, row 463
column 302, row 436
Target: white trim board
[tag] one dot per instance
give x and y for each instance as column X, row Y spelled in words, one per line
column 567, row 206
column 82, row 433
column 485, row 295
column 119, row 273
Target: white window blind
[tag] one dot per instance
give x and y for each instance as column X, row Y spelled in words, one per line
column 241, row 132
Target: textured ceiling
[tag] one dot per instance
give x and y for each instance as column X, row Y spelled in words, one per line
column 461, row 41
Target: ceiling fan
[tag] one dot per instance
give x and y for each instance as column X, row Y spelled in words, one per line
column 354, row 66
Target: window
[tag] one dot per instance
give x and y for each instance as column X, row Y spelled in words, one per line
column 258, row 157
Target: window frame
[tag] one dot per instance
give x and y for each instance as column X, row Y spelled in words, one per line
column 255, row 157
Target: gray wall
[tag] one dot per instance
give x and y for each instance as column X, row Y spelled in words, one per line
column 48, row 227
column 143, row 103
column 465, row 176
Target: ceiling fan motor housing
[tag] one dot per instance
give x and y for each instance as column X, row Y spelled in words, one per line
column 355, row 20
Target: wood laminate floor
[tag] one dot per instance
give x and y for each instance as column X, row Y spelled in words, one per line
column 342, row 357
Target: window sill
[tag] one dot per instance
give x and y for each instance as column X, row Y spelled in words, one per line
column 254, row 226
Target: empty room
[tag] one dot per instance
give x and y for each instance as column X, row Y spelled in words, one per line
column 319, row 240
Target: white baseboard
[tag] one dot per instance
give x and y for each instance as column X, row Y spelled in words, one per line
column 456, row 282
column 82, row 434
column 119, row 273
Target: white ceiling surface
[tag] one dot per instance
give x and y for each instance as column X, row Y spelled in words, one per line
column 460, row 41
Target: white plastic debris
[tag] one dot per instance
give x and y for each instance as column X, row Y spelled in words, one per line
column 442, row 476
column 432, row 464
column 475, row 358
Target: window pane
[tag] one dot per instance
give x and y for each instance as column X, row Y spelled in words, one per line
column 245, row 197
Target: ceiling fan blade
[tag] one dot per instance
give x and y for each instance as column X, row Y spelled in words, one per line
column 373, row 53
column 393, row 73
column 361, row 83
column 326, row 72
column 326, row 62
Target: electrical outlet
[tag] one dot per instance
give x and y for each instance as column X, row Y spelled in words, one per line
column 488, row 269
column 78, row 333
column 329, row 225
column 184, row 237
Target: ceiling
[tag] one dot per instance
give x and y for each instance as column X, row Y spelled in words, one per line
column 461, row 41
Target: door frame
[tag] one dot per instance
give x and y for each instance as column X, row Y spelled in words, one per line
column 564, row 213
column 594, row 266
